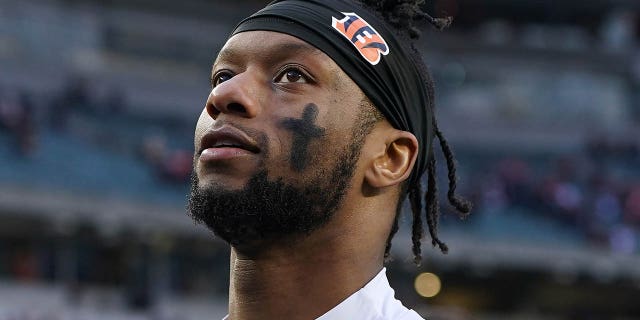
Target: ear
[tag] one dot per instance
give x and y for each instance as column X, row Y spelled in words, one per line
column 394, row 164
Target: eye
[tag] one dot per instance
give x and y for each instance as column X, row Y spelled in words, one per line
column 220, row 77
column 292, row 75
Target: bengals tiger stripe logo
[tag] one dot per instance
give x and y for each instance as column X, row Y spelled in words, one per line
column 362, row 35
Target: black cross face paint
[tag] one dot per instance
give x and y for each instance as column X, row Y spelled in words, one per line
column 304, row 130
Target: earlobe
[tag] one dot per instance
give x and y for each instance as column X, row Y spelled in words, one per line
column 395, row 164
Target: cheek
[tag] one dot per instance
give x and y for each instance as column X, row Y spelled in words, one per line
column 338, row 127
column 204, row 123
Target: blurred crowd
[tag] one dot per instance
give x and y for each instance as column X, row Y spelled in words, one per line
column 596, row 192
column 23, row 121
column 17, row 121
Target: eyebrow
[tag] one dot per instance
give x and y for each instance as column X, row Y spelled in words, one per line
column 270, row 55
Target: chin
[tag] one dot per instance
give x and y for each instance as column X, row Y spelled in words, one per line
column 230, row 182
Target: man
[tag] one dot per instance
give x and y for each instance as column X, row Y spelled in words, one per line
column 319, row 122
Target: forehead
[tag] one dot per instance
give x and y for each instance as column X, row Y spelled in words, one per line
column 267, row 45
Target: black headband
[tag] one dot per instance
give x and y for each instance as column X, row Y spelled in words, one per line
column 367, row 51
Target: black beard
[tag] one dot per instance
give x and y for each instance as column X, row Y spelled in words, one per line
column 266, row 211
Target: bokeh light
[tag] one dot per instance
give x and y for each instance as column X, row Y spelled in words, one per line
column 428, row 285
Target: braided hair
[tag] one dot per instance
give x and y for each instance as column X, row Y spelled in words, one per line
column 402, row 15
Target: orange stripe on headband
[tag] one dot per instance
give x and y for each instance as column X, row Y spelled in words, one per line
column 362, row 35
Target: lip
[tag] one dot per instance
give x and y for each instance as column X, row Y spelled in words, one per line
column 226, row 142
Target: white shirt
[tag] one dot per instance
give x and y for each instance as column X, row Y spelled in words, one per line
column 375, row 301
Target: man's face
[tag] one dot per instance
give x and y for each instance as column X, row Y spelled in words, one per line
column 278, row 142
column 293, row 102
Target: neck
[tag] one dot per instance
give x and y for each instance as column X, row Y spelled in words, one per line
column 300, row 280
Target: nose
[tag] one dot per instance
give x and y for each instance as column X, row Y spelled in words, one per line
column 236, row 96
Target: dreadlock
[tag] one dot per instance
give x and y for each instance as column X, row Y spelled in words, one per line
column 402, row 14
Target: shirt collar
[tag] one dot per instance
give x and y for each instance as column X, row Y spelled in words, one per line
column 375, row 301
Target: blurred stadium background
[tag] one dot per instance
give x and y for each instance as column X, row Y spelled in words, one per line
column 98, row 101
